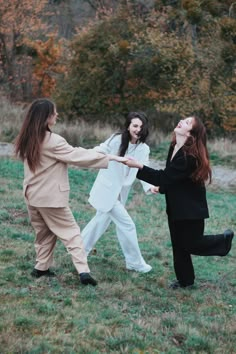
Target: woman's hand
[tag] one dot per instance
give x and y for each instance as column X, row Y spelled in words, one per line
column 117, row 158
column 154, row 190
column 134, row 163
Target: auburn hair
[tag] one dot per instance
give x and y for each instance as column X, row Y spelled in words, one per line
column 196, row 145
column 29, row 140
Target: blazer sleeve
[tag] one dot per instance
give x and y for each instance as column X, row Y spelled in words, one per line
column 145, row 160
column 179, row 169
column 108, row 146
column 78, row 156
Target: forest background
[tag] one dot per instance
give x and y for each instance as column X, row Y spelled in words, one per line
column 100, row 59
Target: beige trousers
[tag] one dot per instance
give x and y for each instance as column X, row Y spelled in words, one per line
column 50, row 224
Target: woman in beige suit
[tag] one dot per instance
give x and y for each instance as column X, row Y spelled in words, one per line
column 46, row 187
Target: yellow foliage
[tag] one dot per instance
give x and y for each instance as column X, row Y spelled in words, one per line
column 123, row 45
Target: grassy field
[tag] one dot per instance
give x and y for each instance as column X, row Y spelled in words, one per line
column 127, row 312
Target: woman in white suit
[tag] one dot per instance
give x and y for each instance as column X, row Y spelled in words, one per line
column 111, row 188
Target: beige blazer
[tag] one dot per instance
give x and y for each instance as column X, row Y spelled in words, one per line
column 49, row 185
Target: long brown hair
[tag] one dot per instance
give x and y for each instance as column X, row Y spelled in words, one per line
column 33, row 131
column 196, row 145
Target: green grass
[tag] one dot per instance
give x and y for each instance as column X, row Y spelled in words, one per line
column 228, row 160
column 127, row 312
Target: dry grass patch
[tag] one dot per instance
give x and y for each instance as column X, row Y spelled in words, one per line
column 224, row 146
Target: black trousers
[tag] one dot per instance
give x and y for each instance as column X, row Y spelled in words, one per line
column 187, row 237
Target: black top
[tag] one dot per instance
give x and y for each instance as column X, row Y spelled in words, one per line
column 185, row 199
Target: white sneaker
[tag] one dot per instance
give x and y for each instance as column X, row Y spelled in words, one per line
column 144, row 268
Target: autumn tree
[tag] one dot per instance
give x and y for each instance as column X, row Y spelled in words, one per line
column 18, row 19
column 117, row 65
column 176, row 58
column 47, row 64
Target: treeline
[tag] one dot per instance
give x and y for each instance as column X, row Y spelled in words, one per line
column 167, row 57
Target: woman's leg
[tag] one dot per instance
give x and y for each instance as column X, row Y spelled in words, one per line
column 183, row 265
column 61, row 223
column 204, row 245
column 45, row 240
column 95, row 229
column 188, row 238
column 127, row 236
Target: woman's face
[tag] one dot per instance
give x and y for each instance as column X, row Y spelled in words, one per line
column 53, row 118
column 134, row 129
column 184, row 127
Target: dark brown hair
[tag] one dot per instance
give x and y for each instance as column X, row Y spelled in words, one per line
column 125, row 134
column 29, row 140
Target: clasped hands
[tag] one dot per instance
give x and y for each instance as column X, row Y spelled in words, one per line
column 126, row 160
column 131, row 162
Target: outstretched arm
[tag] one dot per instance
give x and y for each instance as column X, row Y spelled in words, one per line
column 117, row 158
column 179, row 169
column 81, row 157
column 134, row 163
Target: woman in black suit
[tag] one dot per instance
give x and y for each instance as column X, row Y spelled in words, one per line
column 183, row 183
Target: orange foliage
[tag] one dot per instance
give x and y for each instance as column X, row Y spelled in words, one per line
column 46, row 65
column 18, row 19
column 20, row 16
column 152, row 95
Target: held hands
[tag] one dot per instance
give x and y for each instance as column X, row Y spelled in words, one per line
column 128, row 161
column 121, row 159
column 133, row 163
column 117, row 158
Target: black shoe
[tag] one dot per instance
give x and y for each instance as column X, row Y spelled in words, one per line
column 176, row 285
column 228, row 236
column 36, row 273
column 86, row 279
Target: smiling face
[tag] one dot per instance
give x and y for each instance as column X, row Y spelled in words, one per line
column 184, row 127
column 134, row 129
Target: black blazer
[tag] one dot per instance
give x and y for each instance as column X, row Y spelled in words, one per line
column 185, row 199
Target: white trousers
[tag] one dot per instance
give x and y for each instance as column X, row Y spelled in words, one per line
column 125, row 231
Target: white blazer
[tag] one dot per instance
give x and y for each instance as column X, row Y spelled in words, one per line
column 115, row 182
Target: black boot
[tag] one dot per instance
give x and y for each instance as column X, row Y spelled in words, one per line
column 36, row 273
column 176, row 285
column 228, row 237
column 86, row 279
